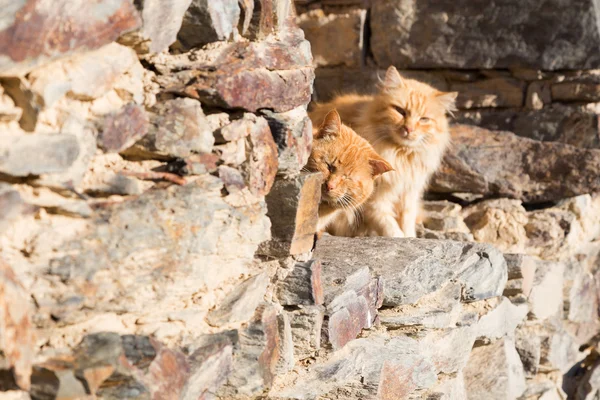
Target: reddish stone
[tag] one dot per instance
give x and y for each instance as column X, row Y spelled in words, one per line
column 123, row 129
column 42, row 31
column 274, row 75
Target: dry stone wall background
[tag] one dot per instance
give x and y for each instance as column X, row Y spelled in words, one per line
column 157, row 228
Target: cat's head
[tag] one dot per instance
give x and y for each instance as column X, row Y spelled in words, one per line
column 348, row 163
column 411, row 113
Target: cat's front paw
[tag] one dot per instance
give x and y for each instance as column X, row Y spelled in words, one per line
column 394, row 232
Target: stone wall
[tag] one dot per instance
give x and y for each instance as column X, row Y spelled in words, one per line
column 525, row 67
column 157, row 229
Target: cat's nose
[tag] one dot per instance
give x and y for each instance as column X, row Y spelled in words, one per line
column 405, row 131
column 330, row 186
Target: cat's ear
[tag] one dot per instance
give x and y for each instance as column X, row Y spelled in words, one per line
column 379, row 166
column 331, row 125
column 393, row 78
column 447, row 100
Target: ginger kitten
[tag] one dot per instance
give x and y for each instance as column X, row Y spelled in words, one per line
column 349, row 165
column 405, row 121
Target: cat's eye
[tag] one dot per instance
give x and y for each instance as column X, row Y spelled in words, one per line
column 400, row 110
column 330, row 167
column 425, row 120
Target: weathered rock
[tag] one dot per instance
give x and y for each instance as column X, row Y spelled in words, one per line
column 495, row 92
column 451, row 388
column 501, row 321
column 181, row 231
column 576, row 91
column 440, row 309
column 495, row 371
column 449, row 349
column 558, row 350
column 293, row 209
column 484, row 37
column 521, row 274
column 84, row 77
column 123, row 129
column 528, row 345
column 261, row 152
column 33, row 33
column 8, row 109
column 55, row 153
column 566, row 123
column 292, row 132
column 351, row 307
column 255, row 357
column 388, row 368
column 499, row 221
column 329, row 82
column 210, row 365
column 160, row 23
column 16, row 331
column 306, row 323
column 479, row 268
column 335, row 39
column 239, row 305
column 302, row 286
column 12, row 206
column 527, row 169
column 443, row 216
column 275, row 75
column 547, row 282
column 538, row 95
column 208, row 21
column 268, row 17
column 180, row 128
column 24, row 98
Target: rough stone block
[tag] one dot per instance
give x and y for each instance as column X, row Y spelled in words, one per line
column 181, row 231
column 122, row 129
column 482, row 35
column 521, row 274
column 55, row 153
column 86, row 76
column 387, row 367
column 495, row 371
column 255, row 357
column 272, row 74
column 545, row 299
column 494, row 163
column 440, row 309
column 495, row 92
column 17, row 342
column 267, row 17
column 302, row 286
column 335, row 39
column 538, row 95
column 306, row 323
column 329, row 82
column 479, row 268
column 501, row 321
column 33, row 31
column 161, row 21
column 292, row 132
column 210, row 365
column 574, row 124
column 293, row 206
column 528, row 345
column 208, row 21
column 239, row 304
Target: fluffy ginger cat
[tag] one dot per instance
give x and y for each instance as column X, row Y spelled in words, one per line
column 349, row 166
column 405, row 121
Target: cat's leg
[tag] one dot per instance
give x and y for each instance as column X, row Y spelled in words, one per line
column 410, row 211
column 380, row 218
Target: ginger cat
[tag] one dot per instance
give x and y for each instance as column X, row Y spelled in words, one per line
column 405, row 121
column 349, row 166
